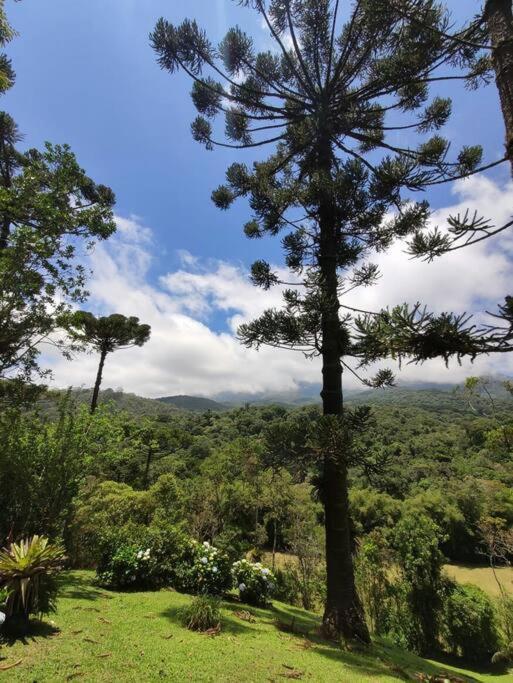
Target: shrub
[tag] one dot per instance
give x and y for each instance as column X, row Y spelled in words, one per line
column 416, row 540
column 203, row 614
column 128, row 566
column 27, row 577
column 505, row 616
column 204, row 569
column 255, row 582
column 373, row 570
column 286, row 586
column 468, row 623
column 142, row 558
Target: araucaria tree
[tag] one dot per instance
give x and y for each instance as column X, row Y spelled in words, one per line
column 105, row 335
column 341, row 87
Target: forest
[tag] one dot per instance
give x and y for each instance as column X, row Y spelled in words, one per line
column 369, row 531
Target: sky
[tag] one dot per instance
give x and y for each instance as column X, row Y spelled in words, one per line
column 86, row 76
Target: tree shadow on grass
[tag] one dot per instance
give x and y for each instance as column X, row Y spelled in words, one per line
column 460, row 663
column 37, row 629
column 230, row 622
column 379, row 660
column 71, row 585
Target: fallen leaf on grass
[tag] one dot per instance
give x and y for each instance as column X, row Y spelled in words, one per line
column 439, row 678
column 245, row 616
column 304, row 644
column 10, row 666
column 398, row 671
column 75, row 633
column 105, row 654
column 294, row 674
column 90, row 640
column 167, row 637
column 104, row 621
column 215, row 631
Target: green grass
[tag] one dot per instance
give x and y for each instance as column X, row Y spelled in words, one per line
column 482, row 577
column 102, row 636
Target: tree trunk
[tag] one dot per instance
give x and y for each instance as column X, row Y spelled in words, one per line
column 147, row 468
column 97, row 384
column 343, row 614
column 275, row 539
column 499, row 19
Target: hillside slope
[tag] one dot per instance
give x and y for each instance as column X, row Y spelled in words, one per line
column 99, row 636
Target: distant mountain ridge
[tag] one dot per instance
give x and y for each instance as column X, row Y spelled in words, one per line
column 428, row 396
column 194, row 403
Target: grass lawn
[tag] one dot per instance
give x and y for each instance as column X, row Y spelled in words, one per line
column 97, row 635
column 482, row 577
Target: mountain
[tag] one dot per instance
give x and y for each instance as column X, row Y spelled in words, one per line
column 193, row 403
column 130, row 403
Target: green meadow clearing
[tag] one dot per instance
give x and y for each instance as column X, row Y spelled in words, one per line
column 103, row 636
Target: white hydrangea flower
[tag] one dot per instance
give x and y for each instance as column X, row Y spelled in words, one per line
column 215, row 570
column 206, row 544
column 242, row 587
column 204, row 560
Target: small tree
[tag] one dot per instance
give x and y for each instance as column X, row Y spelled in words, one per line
column 48, row 206
column 105, row 335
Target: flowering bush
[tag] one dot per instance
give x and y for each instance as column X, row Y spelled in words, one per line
column 207, row 570
column 129, row 566
column 143, row 558
column 254, row 581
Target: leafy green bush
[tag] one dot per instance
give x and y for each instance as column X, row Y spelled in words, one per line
column 128, row 566
column 373, row 571
column 255, row 582
column 204, row 569
column 286, row 586
column 203, row 614
column 416, row 541
column 469, row 624
column 505, row 616
column 27, row 577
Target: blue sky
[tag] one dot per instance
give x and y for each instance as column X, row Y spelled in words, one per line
column 87, row 76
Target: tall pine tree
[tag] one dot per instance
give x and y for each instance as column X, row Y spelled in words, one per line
column 334, row 97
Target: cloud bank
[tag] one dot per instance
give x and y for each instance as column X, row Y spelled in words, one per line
column 194, row 311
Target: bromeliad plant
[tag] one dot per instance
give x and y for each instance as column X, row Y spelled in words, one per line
column 254, row 581
column 27, row 576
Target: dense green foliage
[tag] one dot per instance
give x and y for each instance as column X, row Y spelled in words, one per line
column 469, row 624
column 246, row 481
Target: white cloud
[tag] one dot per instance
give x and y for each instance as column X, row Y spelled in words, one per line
column 188, row 353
